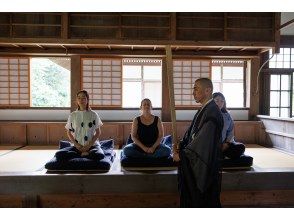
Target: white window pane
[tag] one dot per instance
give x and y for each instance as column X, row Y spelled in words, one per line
column 4, row 78
column 285, row 81
column 3, row 90
column 292, row 63
column 187, row 69
column 87, row 68
column 285, row 99
column 152, row 72
column 286, row 64
column 216, row 87
column 116, row 68
column 132, row 94
column 196, row 69
column 87, row 62
column 232, row 72
column 274, row 112
column 216, row 73
column 50, row 82
column 274, row 99
column 195, row 63
column 177, row 68
column 287, row 57
column 279, row 64
column 233, row 93
column 286, row 50
column 97, row 68
column 285, row 112
column 275, row 82
column 204, row 69
column 272, row 64
column 131, row 72
column 280, row 58
column 153, row 92
column 106, row 68
column 205, row 75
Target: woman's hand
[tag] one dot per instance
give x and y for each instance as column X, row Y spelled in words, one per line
column 152, row 149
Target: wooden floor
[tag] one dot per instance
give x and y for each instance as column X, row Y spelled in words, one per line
column 26, row 183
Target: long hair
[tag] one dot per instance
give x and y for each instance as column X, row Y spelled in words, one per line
column 87, row 96
column 216, row 94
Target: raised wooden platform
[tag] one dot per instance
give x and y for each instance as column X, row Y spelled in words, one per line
column 25, row 183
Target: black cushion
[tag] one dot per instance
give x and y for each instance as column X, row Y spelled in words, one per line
column 83, row 163
column 242, row 161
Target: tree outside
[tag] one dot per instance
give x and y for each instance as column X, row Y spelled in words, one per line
column 50, row 83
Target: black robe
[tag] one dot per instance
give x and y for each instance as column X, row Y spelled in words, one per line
column 199, row 172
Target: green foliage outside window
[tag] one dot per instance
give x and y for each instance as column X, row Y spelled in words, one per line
column 50, row 83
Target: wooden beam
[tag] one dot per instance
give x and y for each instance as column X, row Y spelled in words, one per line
column 38, row 45
column 277, row 32
column 64, row 25
column 286, row 24
column 134, row 43
column 169, row 70
column 173, row 26
column 128, row 52
column 225, row 26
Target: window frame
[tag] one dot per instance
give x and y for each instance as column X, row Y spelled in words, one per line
column 244, row 80
column 279, row 72
column 142, row 80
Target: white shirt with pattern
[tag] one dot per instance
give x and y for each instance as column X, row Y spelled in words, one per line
column 83, row 125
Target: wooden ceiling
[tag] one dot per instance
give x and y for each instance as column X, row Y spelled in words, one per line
column 139, row 34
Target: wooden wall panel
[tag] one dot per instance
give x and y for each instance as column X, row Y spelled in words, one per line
column 112, row 131
column 10, row 201
column 134, row 200
column 13, row 133
column 56, row 132
column 270, row 198
column 37, row 134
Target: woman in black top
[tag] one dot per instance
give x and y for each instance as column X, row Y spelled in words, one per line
column 147, row 132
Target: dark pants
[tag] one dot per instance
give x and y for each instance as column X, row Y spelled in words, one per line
column 235, row 150
column 132, row 150
column 67, row 153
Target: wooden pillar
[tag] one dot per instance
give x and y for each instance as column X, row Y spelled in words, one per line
column 75, row 79
column 277, row 32
column 165, row 111
column 254, row 98
column 170, row 80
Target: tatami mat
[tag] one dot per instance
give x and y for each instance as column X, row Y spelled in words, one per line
column 270, row 158
column 33, row 158
column 4, row 149
column 27, row 159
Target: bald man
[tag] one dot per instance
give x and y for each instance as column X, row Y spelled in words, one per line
column 199, row 152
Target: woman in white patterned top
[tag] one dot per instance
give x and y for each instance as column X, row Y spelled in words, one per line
column 83, row 125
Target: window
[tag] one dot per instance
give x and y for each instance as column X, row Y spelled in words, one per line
column 50, row 82
column 185, row 73
column 102, row 79
column 142, row 78
column 280, row 95
column 228, row 76
column 285, row 59
column 281, row 83
column 14, row 82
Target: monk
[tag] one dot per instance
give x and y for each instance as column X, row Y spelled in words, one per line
column 199, row 152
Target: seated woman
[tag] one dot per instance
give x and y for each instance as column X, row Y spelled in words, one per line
column 83, row 130
column 147, row 132
column 230, row 147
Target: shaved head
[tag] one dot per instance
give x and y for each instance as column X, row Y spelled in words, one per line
column 205, row 83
